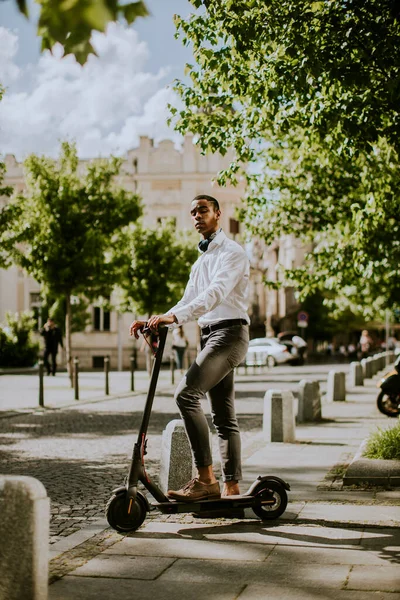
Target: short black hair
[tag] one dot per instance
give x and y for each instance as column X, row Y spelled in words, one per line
column 209, row 199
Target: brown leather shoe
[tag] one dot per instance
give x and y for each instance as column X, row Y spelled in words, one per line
column 195, row 490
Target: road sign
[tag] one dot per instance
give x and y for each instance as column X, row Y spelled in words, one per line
column 302, row 324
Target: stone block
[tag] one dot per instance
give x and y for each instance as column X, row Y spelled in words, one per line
column 373, row 366
column 356, row 376
column 176, row 465
column 336, row 388
column 24, row 535
column 372, row 471
column 309, row 405
column 366, row 367
column 279, row 419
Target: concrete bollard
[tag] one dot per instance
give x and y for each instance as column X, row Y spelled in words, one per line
column 374, row 364
column 356, row 376
column 309, row 401
column 381, row 360
column 176, row 465
column 366, row 367
column 336, row 389
column 279, row 419
column 24, row 535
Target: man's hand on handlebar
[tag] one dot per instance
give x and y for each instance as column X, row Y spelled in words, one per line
column 156, row 320
column 135, row 327
column 152, row 323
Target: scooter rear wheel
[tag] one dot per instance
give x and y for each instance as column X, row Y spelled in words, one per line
column 388, row 406
column 273, row 500
column 121, row 516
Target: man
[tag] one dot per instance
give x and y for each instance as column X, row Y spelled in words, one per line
column 52, row 338
column 216, row 295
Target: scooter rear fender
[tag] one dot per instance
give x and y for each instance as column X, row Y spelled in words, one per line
column 261, row 479
column 390, row 383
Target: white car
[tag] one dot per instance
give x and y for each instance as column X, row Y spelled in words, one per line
column 267, row 351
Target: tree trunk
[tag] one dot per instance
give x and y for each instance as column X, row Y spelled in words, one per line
column 68, row 349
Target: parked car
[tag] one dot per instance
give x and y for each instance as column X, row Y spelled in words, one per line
column 267, row 352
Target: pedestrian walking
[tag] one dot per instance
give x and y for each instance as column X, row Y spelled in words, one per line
column 52, row 339
column 179, row 345
column 365, row 343
column 217, row 297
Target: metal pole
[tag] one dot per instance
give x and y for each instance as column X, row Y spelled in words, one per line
column 387, row 327
column 172, row 367
column 106, row 372
column 41, row 387
column 119, row 340
column 76, row 377
column 132, row 373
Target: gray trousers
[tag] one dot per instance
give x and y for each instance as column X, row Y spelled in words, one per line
column 212, row 373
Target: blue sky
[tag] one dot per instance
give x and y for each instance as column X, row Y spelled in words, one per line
column 106, row 105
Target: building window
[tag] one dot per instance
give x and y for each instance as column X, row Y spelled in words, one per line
column 101, row 319
column 35, row 305
column 97, row 362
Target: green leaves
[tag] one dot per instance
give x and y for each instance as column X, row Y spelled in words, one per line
column 308, row 94
column 71, row 22
column 154, row 267
column 67, row 223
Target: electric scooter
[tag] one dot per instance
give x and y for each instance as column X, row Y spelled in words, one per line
column 127, row 508
column 388, row 400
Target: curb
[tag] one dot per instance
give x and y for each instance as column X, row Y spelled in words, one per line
column 372, row 471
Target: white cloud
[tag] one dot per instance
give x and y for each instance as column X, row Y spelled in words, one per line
column 104, row 105
column 9, row 72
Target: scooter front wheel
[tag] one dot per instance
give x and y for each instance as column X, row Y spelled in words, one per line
column 123, row 515
column 387, row 405
column 273, row 499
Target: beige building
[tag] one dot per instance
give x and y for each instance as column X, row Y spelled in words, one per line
column 167, row 179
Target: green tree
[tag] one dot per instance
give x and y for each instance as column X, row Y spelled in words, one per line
column 67, row 225
column 71, row 23
column 309, row 93
column 154, row 267
column 6, row 213
column 17, row 348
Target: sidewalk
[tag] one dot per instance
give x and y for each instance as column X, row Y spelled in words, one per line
column 21, row 392
column 330, row 543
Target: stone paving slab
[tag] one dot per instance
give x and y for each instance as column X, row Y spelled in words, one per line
column 387, row 539
column 190, row 548
column 277, row 592
column 364, row 515
column 125, row 567
column 381, row 578
column 89, row 588
column 211, row 572
column 331, row 556
column 287, row 534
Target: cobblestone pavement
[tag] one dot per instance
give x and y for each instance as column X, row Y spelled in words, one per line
column 81, row 456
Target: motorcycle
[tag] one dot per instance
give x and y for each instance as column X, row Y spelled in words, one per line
column 388, row 400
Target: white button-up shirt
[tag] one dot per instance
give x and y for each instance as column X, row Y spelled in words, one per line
column 218, row 286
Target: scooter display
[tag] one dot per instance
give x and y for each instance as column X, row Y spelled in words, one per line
column 127, row 508
column 388, row 400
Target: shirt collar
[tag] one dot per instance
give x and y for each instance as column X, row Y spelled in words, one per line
column 216, row 238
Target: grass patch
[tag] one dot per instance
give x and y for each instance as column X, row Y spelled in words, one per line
column 384, row 443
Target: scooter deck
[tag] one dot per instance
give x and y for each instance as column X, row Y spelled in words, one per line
column 225, row 503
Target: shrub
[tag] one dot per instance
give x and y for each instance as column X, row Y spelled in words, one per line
column 17, row 349
column 384, row 443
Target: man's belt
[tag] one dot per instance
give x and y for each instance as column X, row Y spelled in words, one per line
column 222, row 325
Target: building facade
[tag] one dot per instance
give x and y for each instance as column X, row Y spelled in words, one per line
column 167, row 179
